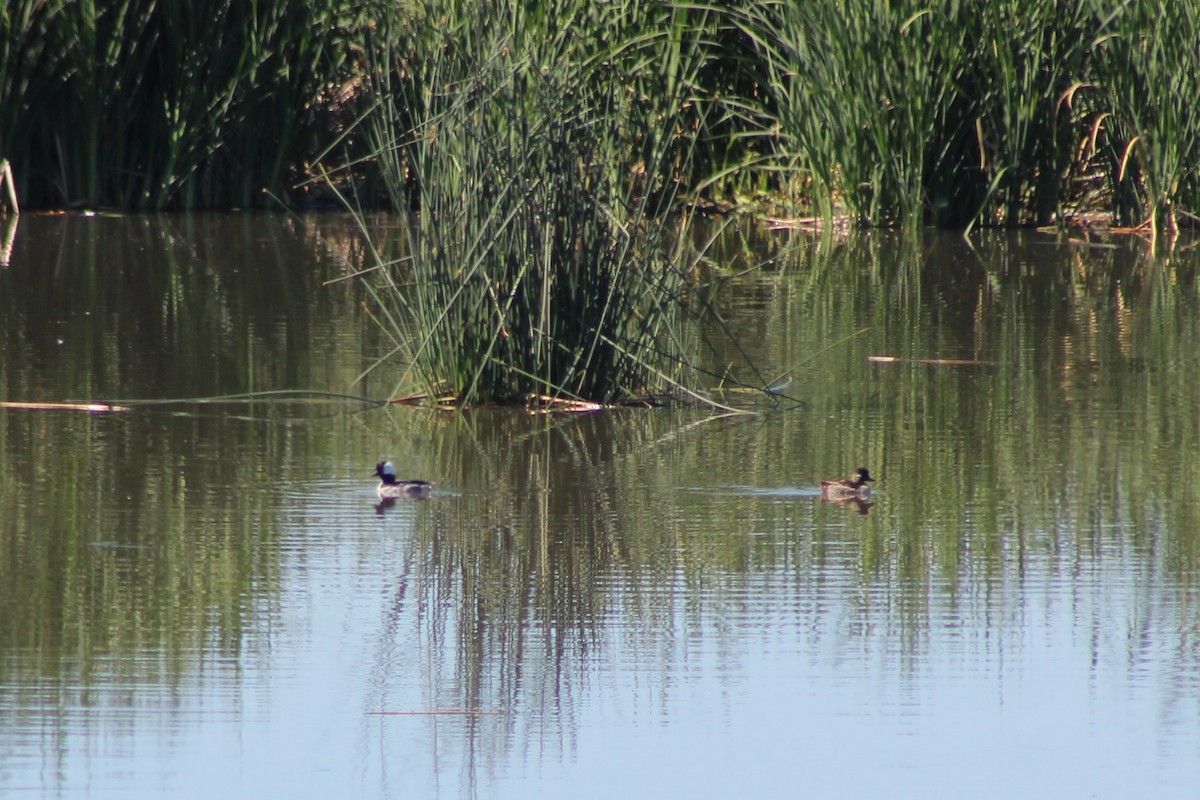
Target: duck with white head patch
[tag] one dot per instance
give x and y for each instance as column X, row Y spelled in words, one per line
column 391, row 487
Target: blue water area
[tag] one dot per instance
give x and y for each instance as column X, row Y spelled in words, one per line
column 207, row 599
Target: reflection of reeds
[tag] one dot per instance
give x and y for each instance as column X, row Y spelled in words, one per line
column 181, row 283
column 118, row 551
column 148, row 530
column 580, row 542
column 552, row 541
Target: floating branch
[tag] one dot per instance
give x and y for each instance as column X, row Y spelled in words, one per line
column 106, row 406
column 937, row 362
column 272, row 395
column 547, row 404
column 92, row 408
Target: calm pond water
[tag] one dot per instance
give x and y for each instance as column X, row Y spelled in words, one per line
column 204, row 600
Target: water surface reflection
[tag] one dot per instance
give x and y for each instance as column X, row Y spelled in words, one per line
column 206, row 600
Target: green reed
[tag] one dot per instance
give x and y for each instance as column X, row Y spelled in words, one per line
column 152, row 104
column 1026, row 57
column 860, row 92
column 534, row 182
column 1148, row 67
column 999, row 112
column 989, row 112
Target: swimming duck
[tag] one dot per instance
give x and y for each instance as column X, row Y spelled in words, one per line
column 390, row 487
column 854, row 487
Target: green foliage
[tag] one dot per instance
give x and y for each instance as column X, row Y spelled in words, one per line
column 999, row 112
column 534, row 183
column 152, row 104
column 860, row 89
column 1148, row 67
column 957, row 112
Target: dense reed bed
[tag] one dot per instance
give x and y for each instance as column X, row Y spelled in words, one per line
column 1148, row 77
column 152, row 104
column 1002, row 112
column 538, row 257
column 545, row 157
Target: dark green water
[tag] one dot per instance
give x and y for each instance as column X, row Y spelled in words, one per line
column 205, row 600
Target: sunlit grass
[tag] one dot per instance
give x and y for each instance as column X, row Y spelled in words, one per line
column 1148, row 68
column 535, row 185
column 984, row 113
column 1002, row 112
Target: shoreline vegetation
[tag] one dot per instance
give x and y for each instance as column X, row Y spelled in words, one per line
column 547, row 158
column 1001, row 113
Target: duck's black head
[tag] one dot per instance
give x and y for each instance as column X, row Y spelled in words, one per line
column 861, row 476
column 386, row 471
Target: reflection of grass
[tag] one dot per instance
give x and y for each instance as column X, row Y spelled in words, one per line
column 542, row 551
column 580, row 536
column 116, row 552
column 563, row 541
column 182, row 284
column 148, row 529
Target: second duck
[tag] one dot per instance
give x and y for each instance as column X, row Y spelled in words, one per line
column 854, row 487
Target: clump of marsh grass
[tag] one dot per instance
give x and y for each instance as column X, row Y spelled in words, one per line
column 991, row 112
column 1147, row 65
column 1026, row 59
column 153, row 104
column 534, row 184
column 860, row 91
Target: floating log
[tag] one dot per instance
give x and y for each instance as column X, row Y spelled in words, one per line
column 91, row 408
column 937, row 362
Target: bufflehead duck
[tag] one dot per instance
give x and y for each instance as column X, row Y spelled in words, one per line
column 389, row 486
